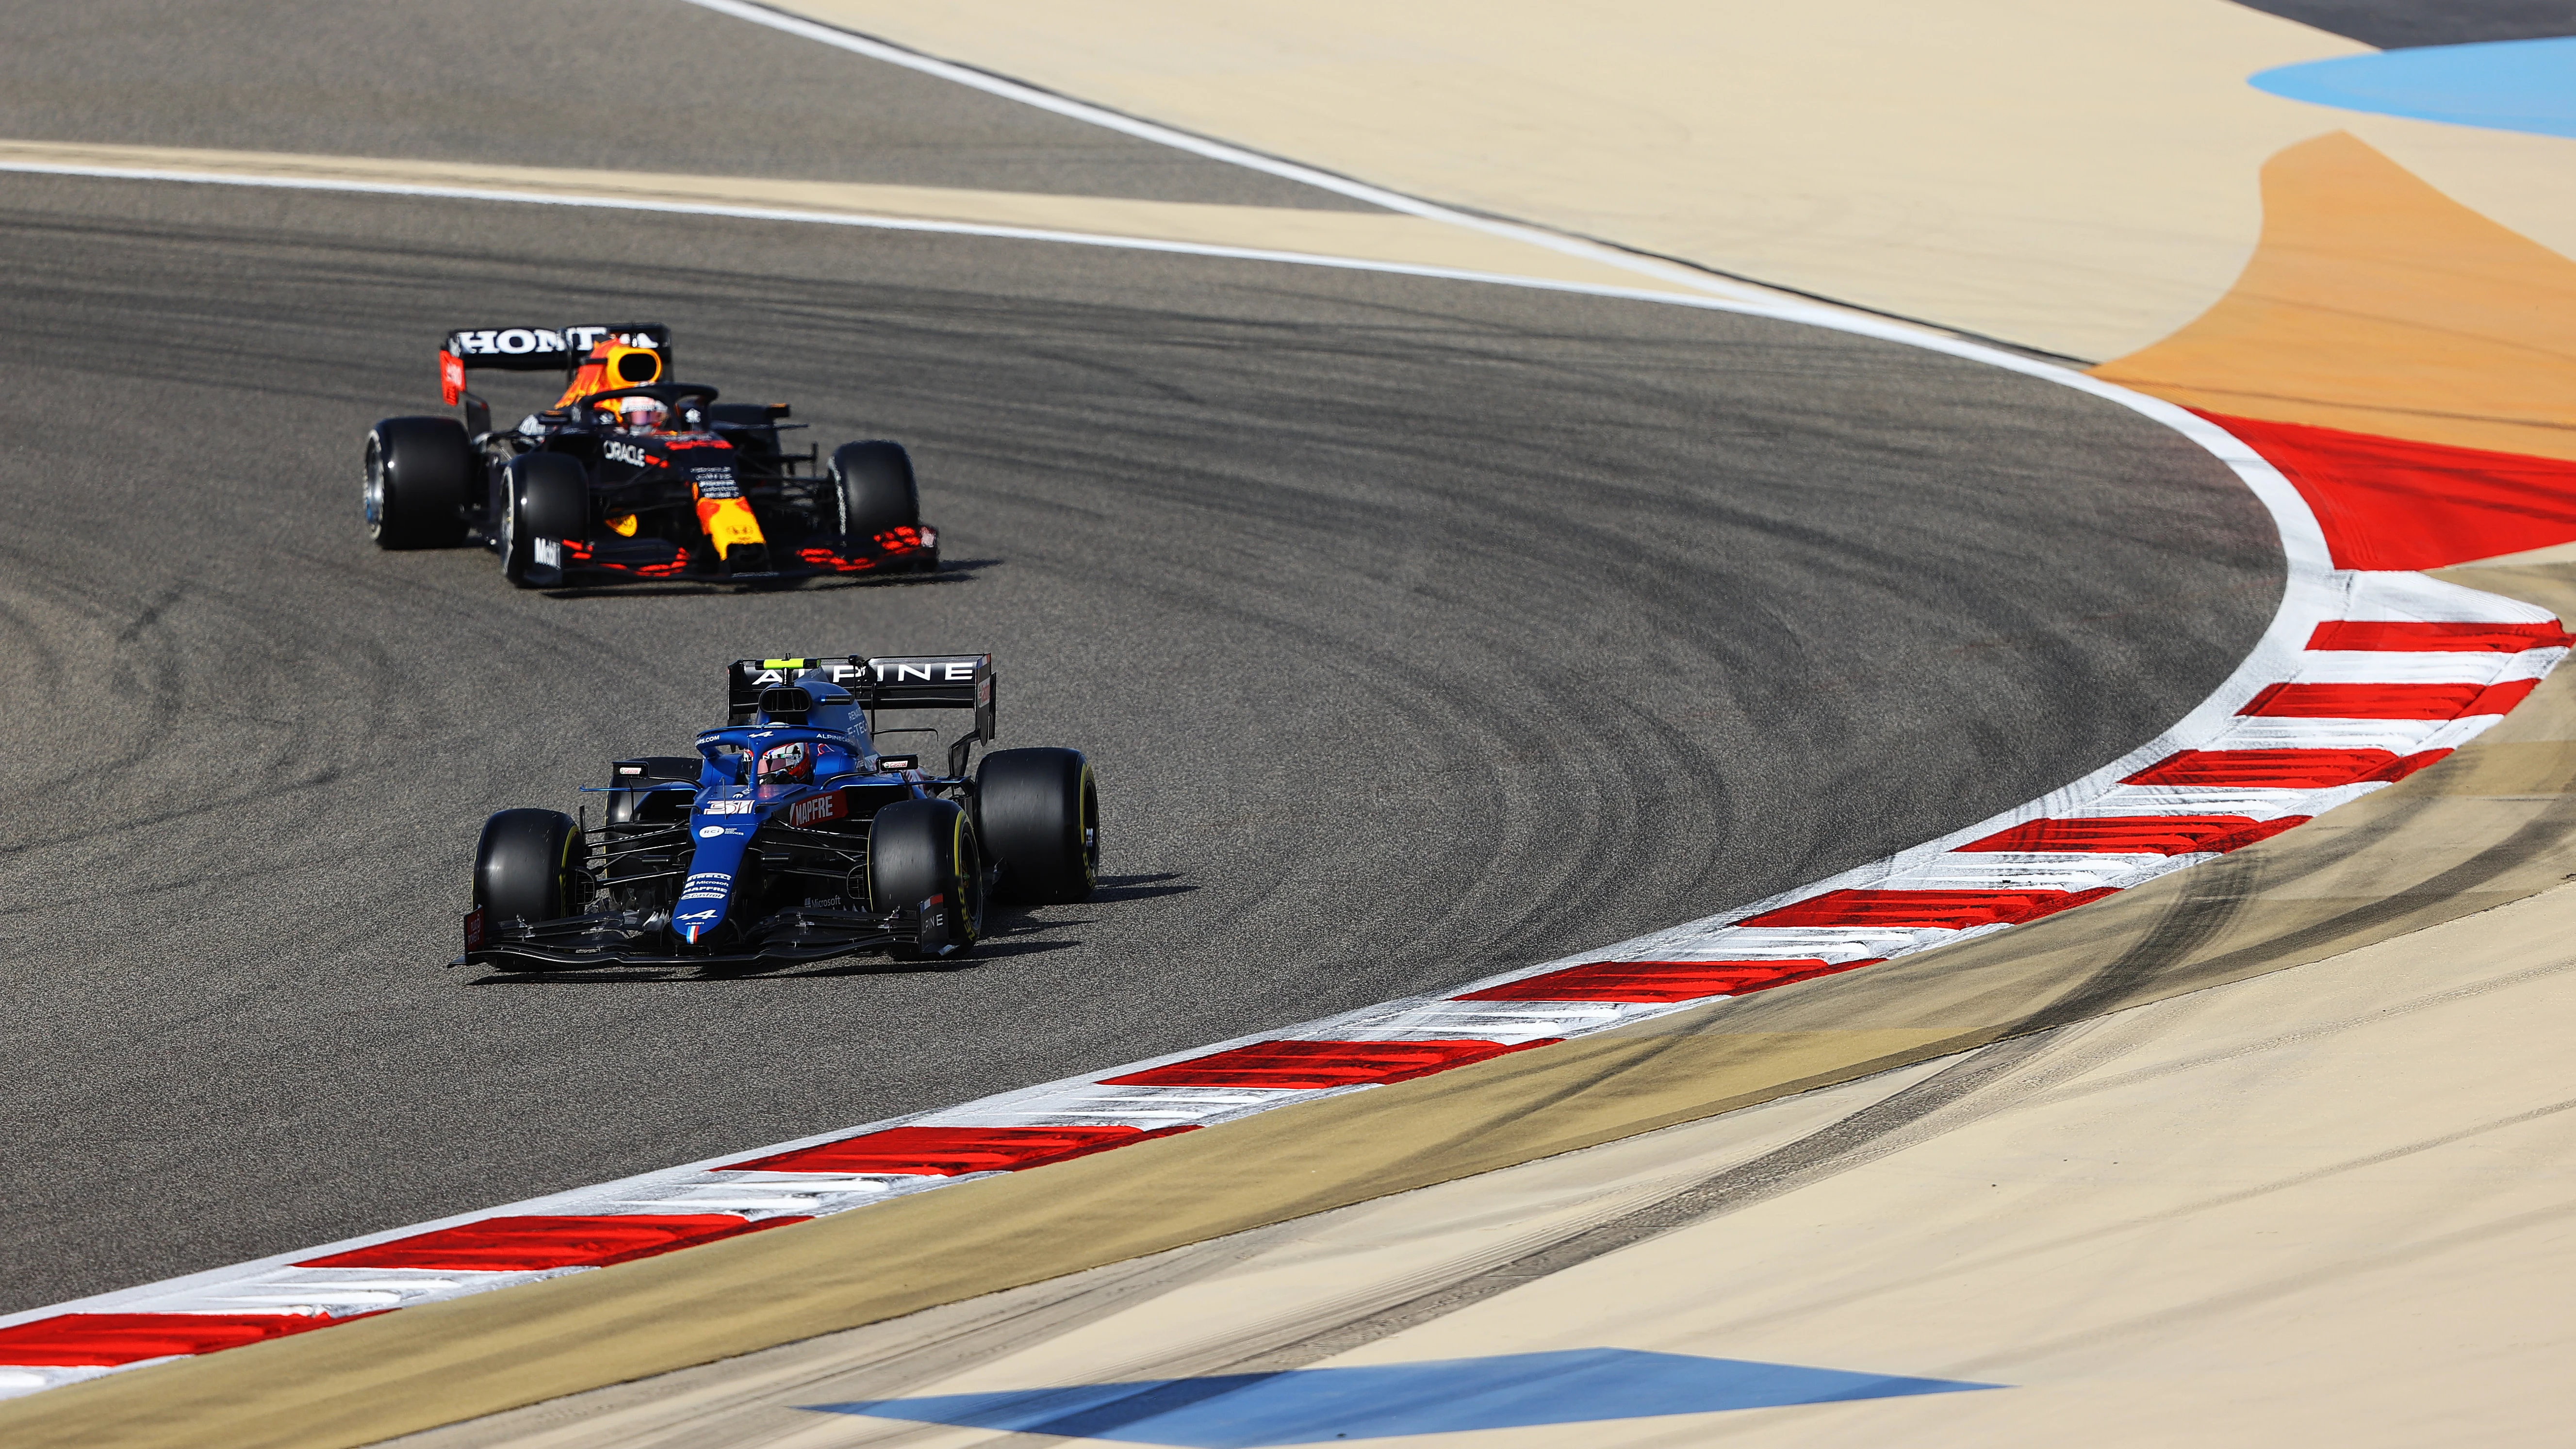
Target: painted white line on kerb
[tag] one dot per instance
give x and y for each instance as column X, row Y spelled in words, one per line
column 2315, row 592
column 1215, row 150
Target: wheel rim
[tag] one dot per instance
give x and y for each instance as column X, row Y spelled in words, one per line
column 510, row 567
column 1090, row 855
column 371, row 488
column 967, row 860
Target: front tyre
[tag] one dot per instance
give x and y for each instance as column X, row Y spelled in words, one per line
column 1040, row 813
column 528, row 866
column 872, row 490
column 545, row 498
column 419, row 472
column 925, row 853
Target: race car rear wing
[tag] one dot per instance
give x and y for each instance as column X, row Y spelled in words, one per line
column 922, row 681
column 534, row 349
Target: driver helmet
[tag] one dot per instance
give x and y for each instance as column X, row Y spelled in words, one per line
column 641, row 414
column 788, row 764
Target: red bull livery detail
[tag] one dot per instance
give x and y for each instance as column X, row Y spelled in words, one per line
column 631, row 476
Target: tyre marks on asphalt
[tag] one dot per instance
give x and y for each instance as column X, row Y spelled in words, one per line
column 1422, row 631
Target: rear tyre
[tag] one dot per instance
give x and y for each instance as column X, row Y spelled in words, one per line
column 873, row 490
column 920, row 849
column 543, row 496
column 418, row 475
column 528, row 866
column 1040, row 814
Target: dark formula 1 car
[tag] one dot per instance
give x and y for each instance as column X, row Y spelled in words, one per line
column 789, row 838
column 630, row 476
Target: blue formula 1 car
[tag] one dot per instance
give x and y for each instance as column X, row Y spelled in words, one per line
column 789, row 837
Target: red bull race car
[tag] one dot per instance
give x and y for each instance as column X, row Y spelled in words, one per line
column 631, row 477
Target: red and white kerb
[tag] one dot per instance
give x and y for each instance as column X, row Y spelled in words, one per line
column 2395, row 671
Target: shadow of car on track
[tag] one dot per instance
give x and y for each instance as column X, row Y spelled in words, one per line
column 1008, row 931
column 1133, row 888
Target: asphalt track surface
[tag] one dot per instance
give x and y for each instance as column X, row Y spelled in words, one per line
column 637, row 85
column 1419, row 629
column 2397, row 24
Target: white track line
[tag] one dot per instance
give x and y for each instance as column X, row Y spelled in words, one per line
column 2315, row 592
column 1215, row 150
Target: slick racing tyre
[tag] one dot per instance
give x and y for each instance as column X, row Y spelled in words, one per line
column 528, row 866
column 544, row 498
column 1040, row 815
column 918, row 849
column 419, row 473
column 872, row 490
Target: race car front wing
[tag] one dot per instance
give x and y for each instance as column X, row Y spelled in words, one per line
column 625, row 938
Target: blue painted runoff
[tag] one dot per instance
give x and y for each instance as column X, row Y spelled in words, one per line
column 1307, row 1406
column 2503, row 85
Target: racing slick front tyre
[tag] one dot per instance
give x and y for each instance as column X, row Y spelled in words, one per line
column 528, row 866
column 926, row 851
column 873, row 490
column 545, row 498
column 1040, row 815
column 419, row 473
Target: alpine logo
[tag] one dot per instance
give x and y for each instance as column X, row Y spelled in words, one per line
column 932, row 669
column 803, row 813
column 926, row 671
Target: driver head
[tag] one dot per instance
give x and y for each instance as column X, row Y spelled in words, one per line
column 641, row 414
column 788, row 764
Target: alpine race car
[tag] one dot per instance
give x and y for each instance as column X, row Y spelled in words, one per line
column 789, row 837
column 630, row 476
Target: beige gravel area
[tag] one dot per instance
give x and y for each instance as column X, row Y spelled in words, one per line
column 2077, row 178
